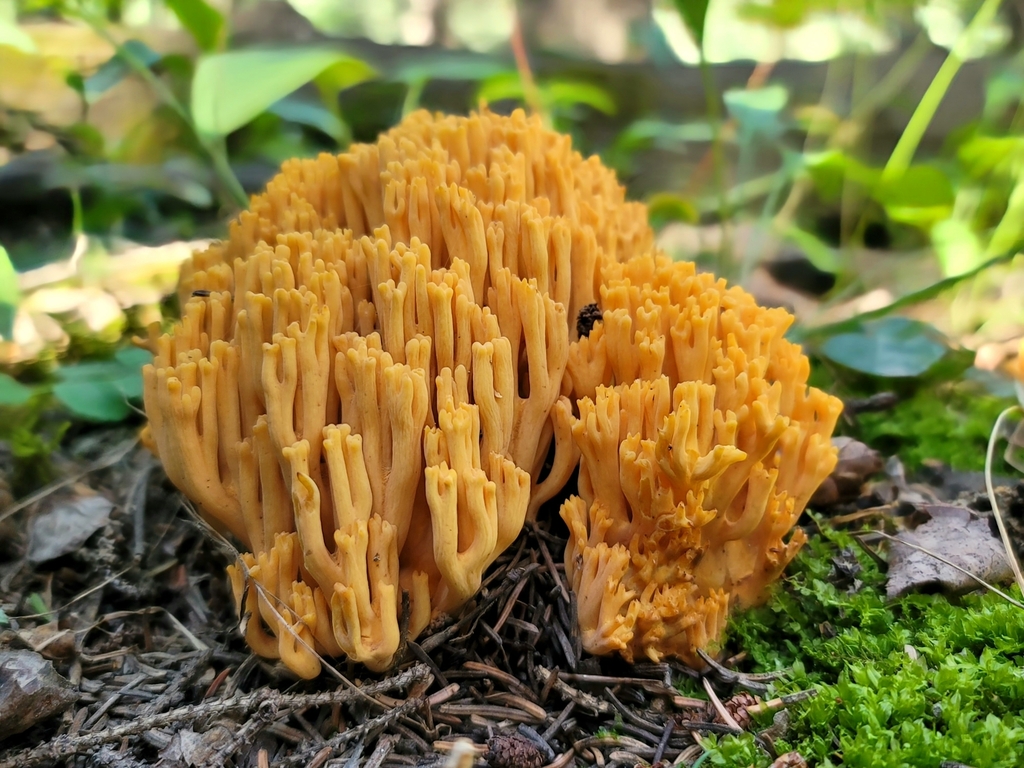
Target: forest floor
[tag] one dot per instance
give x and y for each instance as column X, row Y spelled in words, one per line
column 121, row 647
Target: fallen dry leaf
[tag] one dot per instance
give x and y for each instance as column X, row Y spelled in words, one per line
column 66, row 527
column 31, row 691
column 956, row 534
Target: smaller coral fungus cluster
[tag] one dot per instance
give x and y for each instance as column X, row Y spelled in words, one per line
column 385, row 370
column 701, row 445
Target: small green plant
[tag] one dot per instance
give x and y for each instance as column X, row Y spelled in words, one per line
column 908, row 683
column 32, row 432
column 93, row 389
column 734, row 751
column 34, row 417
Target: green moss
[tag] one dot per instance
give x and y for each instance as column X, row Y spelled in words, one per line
column 903, row 684
column 33, row 432
column 950, row 423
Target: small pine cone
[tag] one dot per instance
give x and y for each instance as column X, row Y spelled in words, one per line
column 512, row 750
column 737, row 707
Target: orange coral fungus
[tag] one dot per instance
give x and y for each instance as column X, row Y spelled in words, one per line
column 370, row 389
column 696, row 462
column 368, row 372
column 357, row 466
column 497, row 192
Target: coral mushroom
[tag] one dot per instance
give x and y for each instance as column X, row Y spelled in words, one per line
column 356, row 466
column 701, row 445
column 367, row 376
column 372, row 387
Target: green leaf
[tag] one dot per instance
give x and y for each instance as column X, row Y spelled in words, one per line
column 921, row 196
column 14, row 36
column 921, row 186
column 10, row 294
column 644, row 133
column 38, row 606
column 91, row 370
column 501, row 86
column 344, row 73
column 12, row 392
column 985, row 155
column 447, row 66
column 758, row 110
column 230, row 89
column 665, row 134
column 115, row 69
column 133, row 357
column 567, row 93
column 957, row 247
column 93, row 400
column 895, row 347
column 822, row 256
column 694, row 14
column 831, row 169
column 203, row 22
column 99, row 390
column 666, row 207
column 310, row 114
column 554, row 94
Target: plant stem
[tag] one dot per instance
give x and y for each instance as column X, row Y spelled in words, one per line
column 909, row 300
column 76, row 212
column 215, row 149
column 413, row 94
column 1008, row 231
column 907, row 145
column 714, row 111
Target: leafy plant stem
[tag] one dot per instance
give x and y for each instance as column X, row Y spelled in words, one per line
column 216, row 151
column 903, row 153
column 929, row 292
column 893, row 81
column 787, row 212
column 76, row 212
column 701, row 760
column 755, row 252
column 413, row 94
column 1008, row 230
column 714, row 110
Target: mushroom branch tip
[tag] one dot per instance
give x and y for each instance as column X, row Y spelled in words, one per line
column 401, row 353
